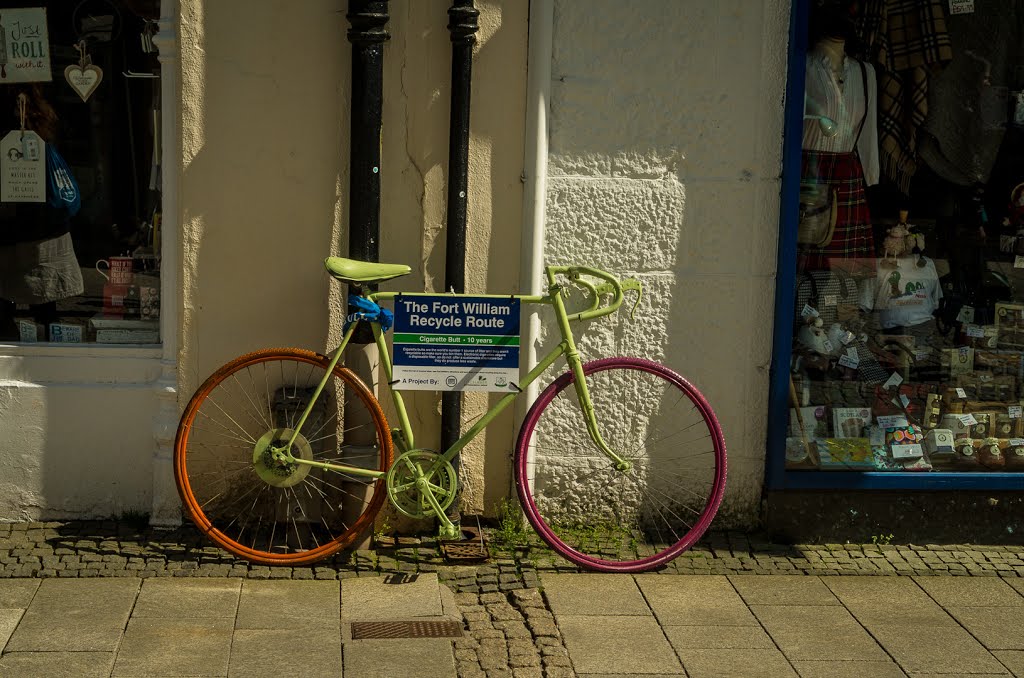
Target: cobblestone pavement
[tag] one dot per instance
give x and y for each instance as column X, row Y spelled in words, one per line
column 509, row 625
column 112, row 549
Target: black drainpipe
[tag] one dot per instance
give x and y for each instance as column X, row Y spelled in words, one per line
column 462, row 22
column 368, row 33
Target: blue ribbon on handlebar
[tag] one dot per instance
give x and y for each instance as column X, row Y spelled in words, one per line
column 361, row 308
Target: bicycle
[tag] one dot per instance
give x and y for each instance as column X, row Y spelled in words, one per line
column 284, row 457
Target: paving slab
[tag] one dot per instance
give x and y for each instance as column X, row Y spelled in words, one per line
column 8, row 622
column 77, row 615
column 889, row 601
column 56, row 664
column 264, row 604
column 738, row 663
column 843, row 669
column 783, row 590
column 256, row 653
column 719, row 638
column 937, row 649
column 594, row 594
column 607, row 644
column 694, row 600
column 1013, row 660
column 817, row 632
column 183, row 598
column 971, row 591
column 174, row 647
column 405, row 657
column 1016, row 583
column 391, row 597
column 997, row 628
column 17, row 592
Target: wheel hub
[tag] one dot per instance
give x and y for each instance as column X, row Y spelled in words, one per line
column 410, row 479
column 273, row 465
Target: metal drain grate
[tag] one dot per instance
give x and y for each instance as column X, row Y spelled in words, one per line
column 406, row 629
column 471, row 548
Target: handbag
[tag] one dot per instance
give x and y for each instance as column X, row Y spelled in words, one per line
column 819, row 201
column 819, row 207
column 61, row 187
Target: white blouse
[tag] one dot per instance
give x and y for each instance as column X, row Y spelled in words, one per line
column 843, row 103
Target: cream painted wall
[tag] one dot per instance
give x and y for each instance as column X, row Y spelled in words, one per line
column 664, row 163
column 265, row 135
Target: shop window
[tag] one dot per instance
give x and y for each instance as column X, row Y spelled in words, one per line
column 908, row 317
column 81, row 172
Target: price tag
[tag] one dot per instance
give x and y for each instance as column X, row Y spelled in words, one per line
column 1018, row 261
column 904, row 399
column 827, row 345
column 966, row 314
column 809, row 311
column 847, row 337
column 967, row 419
column 922, row 354
column 831, row 300
column 960, row 393
column 847, row 361
column 975, row 331
column 912, row 451
column 894, row 380
column 892, row 421
column 22, row 167
column 1016, row 442
column 961, row 6
column 1014, row 411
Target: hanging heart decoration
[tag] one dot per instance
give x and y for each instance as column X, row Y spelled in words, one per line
column 83, row 80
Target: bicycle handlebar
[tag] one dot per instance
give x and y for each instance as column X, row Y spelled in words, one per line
column 612, row 285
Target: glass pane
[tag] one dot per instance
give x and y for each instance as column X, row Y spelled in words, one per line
column 909, row 308
column 81, row 166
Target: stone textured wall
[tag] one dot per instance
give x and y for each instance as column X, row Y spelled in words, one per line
column 664, row 164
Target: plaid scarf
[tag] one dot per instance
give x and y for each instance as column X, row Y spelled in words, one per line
column 905, row 38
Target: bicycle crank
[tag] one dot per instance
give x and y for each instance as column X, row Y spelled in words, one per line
column 421, row 484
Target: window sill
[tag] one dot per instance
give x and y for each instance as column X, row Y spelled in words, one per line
column 81, row 364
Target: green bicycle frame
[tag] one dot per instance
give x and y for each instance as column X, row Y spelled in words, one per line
column 566, row 347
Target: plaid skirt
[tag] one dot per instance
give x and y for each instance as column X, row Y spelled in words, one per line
column 853, row 237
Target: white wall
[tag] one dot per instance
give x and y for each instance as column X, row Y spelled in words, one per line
column 664, row 163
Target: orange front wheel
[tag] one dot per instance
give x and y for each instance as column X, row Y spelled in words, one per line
column 249, row 500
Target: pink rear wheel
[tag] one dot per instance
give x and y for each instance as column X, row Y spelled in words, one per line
column 621, row 518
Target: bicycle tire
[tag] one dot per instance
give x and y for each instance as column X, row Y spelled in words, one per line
column 243, row 415
column 602, row 526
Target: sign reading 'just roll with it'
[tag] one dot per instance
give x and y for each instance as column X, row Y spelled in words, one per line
column 24, row 45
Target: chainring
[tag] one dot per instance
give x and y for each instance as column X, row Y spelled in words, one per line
column 403, row 491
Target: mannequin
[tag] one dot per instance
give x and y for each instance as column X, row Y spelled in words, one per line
column 840, row 138
column 38, row 266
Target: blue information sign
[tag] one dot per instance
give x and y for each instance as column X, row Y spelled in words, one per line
column 448, row 343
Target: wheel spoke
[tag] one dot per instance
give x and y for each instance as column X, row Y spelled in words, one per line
column 259, row 517
column 587, row 509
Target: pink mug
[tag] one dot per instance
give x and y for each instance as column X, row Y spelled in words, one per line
column 120, row 270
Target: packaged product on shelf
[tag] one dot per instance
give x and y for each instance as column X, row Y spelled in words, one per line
column 845, row 454
column 850, row 422
column 990, row 455
column 1013, row 450
column 1010, row 322
column 815, row 424
column 955, row 361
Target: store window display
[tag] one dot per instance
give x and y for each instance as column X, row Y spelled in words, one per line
column 79, row 238
column 908, row 348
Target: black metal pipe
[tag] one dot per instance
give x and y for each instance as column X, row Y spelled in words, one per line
column 368, row 32
column 462, row 22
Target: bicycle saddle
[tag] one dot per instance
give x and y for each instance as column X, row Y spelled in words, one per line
column 363, row 272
